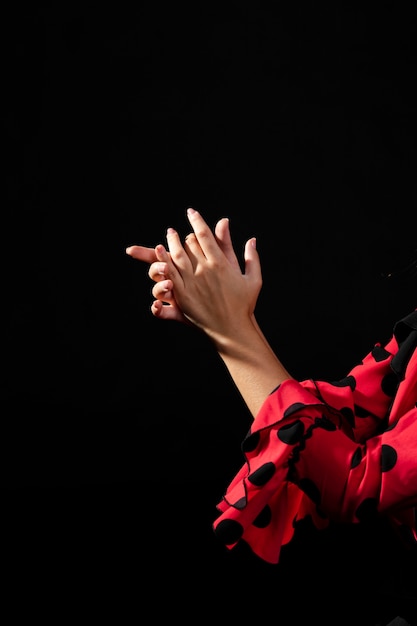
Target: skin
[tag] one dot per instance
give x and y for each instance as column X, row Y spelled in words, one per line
column 199, row 283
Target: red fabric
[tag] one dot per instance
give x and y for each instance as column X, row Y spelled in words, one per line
column 340, row 451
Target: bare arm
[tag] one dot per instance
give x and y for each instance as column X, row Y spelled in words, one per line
column 213, row 294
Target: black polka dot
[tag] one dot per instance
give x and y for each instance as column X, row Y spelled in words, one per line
column 228, row 531
column 388, row 458
column 262, row 474
column 291, row 433
column 241, row 503
column 251, row 442
column 367, row 510
column 380, row 354
column 389, row 384
column 264, row 518
column 348, row 415
column 348, row 381
column 310, row 489
column 361, row 412
column 356, row 458
column 293, row 408
column 325, row 423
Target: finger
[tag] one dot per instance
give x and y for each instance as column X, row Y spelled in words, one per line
column 142, row 253
column 167, row 312
column 193, row 250
column 164, row 256
column 252, row 263
column 163, row 291
column 158, row 271
column 223, row 237
column 204, row 234
column 178, row 261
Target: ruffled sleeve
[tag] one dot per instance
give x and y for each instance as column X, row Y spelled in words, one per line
column 327, row 451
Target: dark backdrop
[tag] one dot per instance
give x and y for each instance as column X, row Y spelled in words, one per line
column 119, row 432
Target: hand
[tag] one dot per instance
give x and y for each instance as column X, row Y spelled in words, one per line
column 164, row 306
column 204, row 274
column 200, row 283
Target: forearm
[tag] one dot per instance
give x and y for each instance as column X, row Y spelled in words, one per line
column 252, row 364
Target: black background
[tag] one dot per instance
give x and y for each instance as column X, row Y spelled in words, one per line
column 120, row 432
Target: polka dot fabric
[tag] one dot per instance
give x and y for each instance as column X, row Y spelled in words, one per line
column 335, row 451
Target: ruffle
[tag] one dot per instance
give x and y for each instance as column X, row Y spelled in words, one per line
column 261, row 506
column 318, row 449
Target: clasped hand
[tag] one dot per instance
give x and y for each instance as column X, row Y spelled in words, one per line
column 200, row 282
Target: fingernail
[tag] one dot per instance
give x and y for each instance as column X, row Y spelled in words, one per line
column 191, row 211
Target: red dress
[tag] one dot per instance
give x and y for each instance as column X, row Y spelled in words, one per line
column 335, row 451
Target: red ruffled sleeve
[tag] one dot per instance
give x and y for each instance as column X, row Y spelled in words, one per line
column 331, row 451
